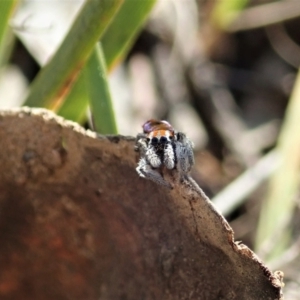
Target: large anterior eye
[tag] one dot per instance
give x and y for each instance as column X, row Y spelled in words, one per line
column 163, row 139
column 154, row 141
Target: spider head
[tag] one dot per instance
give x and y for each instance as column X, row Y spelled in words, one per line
column 158, row 132
column 160, row 137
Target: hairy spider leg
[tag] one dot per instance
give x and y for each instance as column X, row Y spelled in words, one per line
column 152, row 157
column 184, row 154
column 148, row 151
column 146, row 171
column 169, row 156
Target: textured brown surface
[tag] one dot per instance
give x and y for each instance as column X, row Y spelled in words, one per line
column 76, row 222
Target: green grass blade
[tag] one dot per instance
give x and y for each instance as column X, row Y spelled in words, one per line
column 273, row 230
column 117, row 40
column 75, row 105
column 54, row 80
column 100, row 99
column 7, row 8
column 121, row 34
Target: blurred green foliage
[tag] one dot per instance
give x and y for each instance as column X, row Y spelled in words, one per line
column 225, row 12
column 7, row 8
column 274, row 231
column 71, row 81
column 116, row 42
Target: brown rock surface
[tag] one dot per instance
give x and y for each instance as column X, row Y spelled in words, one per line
column 76, row 222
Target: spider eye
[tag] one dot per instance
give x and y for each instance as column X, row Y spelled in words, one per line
column 154, row 141
column 163, row 139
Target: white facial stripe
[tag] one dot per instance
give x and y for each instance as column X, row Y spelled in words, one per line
column 168, row 135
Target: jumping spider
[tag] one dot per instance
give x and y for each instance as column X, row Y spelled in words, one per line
column 161, row 146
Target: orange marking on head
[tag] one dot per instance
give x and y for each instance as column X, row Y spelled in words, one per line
column 155, row 133
column 160, row 133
